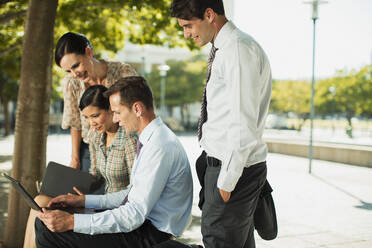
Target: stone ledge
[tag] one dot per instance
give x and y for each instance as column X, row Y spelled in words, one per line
column 342, row 153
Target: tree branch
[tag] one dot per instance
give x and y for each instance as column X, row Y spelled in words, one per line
column 10, row 16
column 10, row 48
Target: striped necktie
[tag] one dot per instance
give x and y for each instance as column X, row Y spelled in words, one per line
column 203, row 113
column 139, row 147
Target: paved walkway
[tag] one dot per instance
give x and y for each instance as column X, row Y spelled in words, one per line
column 330, row 208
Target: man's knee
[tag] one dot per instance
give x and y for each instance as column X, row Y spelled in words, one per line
column 42, row 200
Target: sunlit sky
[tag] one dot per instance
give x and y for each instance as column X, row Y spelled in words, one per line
column 285, row 30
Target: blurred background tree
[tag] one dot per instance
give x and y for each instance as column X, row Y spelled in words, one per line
column 291, row 97
column 347, row 93
column 184, row 85
column 9, row 75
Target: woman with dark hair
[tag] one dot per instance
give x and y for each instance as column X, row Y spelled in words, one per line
column 74, row 54
column 112, row 150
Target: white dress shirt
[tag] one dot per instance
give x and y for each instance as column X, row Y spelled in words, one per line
column 238, row 97
column 161, row 190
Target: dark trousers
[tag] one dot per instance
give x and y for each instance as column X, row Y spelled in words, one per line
column 145, row 236
column 229, row 224
column 174, row 244
column 84, row 157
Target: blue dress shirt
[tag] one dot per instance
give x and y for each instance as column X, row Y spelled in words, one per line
column 161, row 190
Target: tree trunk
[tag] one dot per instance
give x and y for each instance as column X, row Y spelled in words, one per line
column 7, row 126
column 32, row 112
column 349, row 128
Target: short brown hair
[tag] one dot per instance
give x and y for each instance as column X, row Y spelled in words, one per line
column 188, row 9
column 132, row 89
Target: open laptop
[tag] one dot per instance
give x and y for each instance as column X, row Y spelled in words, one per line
column 32, row 204
column 18, row 186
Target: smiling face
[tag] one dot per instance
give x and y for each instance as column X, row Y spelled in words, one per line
column 201, row 31
column 98, row 119
column 125, row 116
column 78, row 66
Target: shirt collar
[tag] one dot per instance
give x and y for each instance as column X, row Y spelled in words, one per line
column 102, row 139
column 224, row 34
column 118, row 141
column 145, row 136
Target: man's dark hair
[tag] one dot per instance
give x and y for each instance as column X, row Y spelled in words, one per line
column 93, row 96
column 70, row 43
column 188, row 9
column 132, row 89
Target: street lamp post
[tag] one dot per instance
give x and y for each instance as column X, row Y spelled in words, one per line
column 314, row 17
column 163, row 73
column 143, row 71
column 143, row 62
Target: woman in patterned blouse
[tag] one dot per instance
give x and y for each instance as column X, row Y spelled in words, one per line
column 74, row 54
column 112, row 151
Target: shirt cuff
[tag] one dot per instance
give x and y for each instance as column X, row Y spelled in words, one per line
column 82, row 223
column 91, row 201
column 227, row 180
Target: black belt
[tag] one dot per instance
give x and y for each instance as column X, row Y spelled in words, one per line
column 214, row 162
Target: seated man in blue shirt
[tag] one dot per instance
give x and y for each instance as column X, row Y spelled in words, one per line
column 156, row 205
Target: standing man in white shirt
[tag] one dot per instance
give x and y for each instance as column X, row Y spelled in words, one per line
column 158, row 201
column 232, row 168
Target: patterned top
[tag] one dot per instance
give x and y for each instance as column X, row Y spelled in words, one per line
column 73, row 90
column 113, row 163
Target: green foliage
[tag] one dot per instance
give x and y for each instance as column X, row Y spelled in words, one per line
column 11, row 34
column 347, row 93
column 12, row 18
column 109, row 23
column 364, row 79
column 106, row 23
column 184, row 82
column 9, row 75
column 291, row 96
column 352, row 93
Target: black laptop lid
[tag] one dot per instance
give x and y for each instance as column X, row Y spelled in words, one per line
column 59, row 180
column 17, row 185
